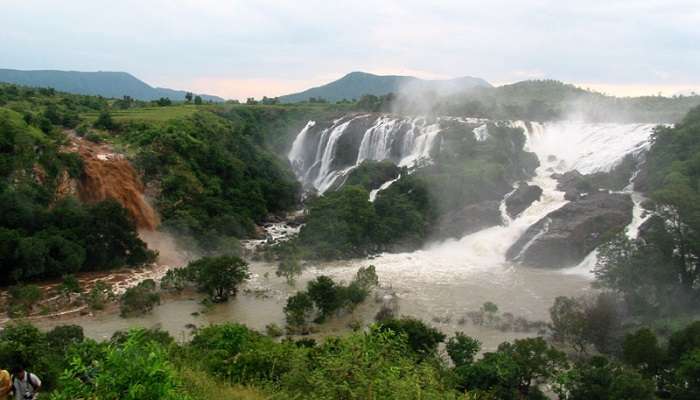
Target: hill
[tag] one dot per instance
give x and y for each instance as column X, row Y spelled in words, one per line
column 100, row 83
column 356, row 84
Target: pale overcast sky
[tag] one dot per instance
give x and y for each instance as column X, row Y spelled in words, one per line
column 237, row 49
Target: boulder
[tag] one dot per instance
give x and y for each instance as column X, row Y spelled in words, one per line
column 471, row 218
column 572, row 183
column 522, row 198
column 564, row 237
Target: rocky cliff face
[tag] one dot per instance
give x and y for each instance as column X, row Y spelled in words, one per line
column 469, row 219
column 564, row 237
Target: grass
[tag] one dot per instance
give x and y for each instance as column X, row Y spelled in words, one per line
column 150, row 114
column 161, row 114
column 203, row 386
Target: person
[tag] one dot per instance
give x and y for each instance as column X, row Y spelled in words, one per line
column 5, row 384
column 25, row 384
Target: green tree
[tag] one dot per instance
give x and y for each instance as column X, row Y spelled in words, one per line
column 69, row 286
column 642, row 351
column 188, row 97
column 684, row 341
column 111, row 238
column 687, row 377
column 290, row 268
column 325, row 294
column 174, row 279
column 422, row 339
column 599, row 379
column 64, row 336
column 139, row 299
column 198, row 100
column 339, row 224
column 536, row 361
column 219, row 277
column 462, row 349
column 104, row 121
column 100, row 293
column 298, row 309
column 366, row 277
column 569, row 322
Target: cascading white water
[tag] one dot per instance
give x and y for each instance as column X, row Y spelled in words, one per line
column 406, row 141
column 373, row 194
column 574, row 145
column 560, row 146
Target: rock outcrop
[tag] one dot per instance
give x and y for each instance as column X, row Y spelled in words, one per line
column 573, row 184
column 564, row 237
column 522, row 198
column 469, row 219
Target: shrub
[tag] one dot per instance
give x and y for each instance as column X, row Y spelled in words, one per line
column 22, row 299
column 421, row 338
column 218, row 277
column 137, row 369
column 139, row 299
column 99, row 295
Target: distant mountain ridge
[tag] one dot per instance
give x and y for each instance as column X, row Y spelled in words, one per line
column 99, row 83
column 356, row 84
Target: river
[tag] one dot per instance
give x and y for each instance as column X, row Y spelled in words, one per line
column 444, row 281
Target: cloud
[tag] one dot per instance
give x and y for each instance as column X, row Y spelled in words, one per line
column 246, row 48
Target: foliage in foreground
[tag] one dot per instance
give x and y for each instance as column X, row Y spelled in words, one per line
column 397, row 359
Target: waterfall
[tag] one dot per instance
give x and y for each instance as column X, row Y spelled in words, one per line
column 373, row 194
column 590, row 148
column 561, row 147
column 322, row 156
column 108, row 175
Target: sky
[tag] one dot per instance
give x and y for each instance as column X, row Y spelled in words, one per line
column 239, row 49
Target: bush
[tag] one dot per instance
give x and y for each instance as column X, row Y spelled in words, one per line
column 421, row 338
column 298, row 309
column 326, row 296
column 140, row 299
column 104, row 121
column 99, row 295
column 138, row 369
column 22, row 299
column 174, row 279
column 273, row 330
column 70, row 285
column 64, row 336
column 218, row 277
column 462, row 349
